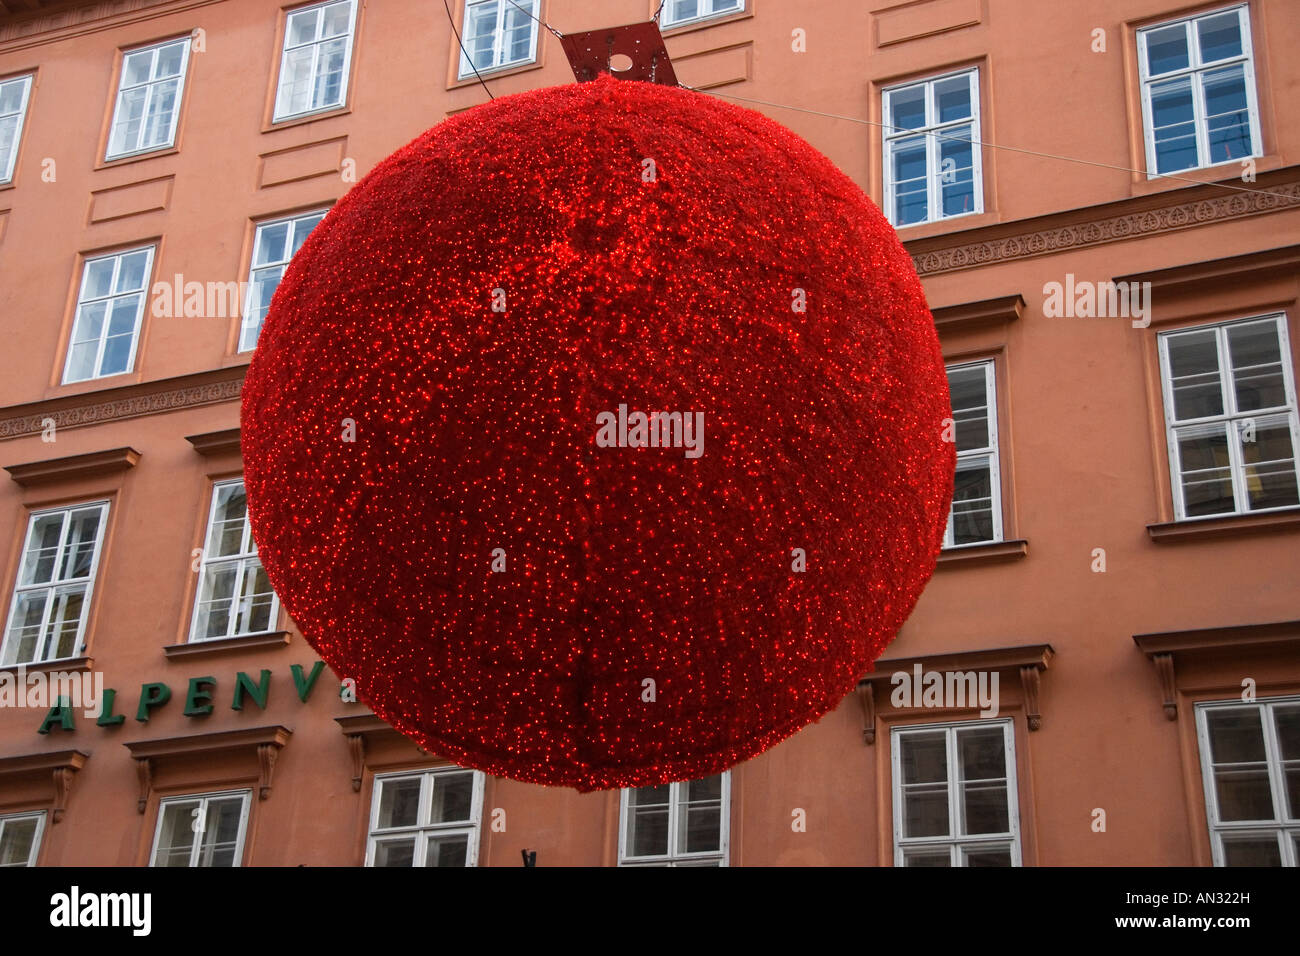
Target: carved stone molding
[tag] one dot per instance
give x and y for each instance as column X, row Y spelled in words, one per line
column 262, row 743
column 127, row 401
column 1131, row 219
column 1026, row 661
column 59, row 767
column 215, row 443
column 975, row 315
column 363, row 732
column 1165, row 649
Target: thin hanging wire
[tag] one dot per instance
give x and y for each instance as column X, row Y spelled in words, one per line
column 558, row 34
column 987, row 145
column 655, row 18
column 470, row 59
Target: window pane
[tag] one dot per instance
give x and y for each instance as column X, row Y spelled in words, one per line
column 98, row 279
column 907, row 108
column 449, row 850
column 272, row 241
column 399, row 803
column 22, row 641
column 952, row 98
column 648, row 821
column 131, row 274
column 1251, row 851
column 399, row 852
column 1257, row 365
column 1173, row 126
column 16, row 840
column 229, row 521
column 43, row 548
column 137, row 67
column 1270, row 467
column 989, row 856
column 176, row 835
column 968, row 389
column 908, row 159
column 170, row 59
column 1194, row 368
column 453, row 796
column 982, row 753
column 1227, row 115
column 1167, row 49
column 1287, row 722
column 79, row 549
column 1219, row 36
column 336, row 20
column 215, row 593
column 1238, row 758
column 221, row 832
column 11, row 95
column 1206, row 473
column 957, row 172
column 972, row 502
column 256, row 599
column 302, row 27
column 65, row 621
column 928, row 856
column 700, row 827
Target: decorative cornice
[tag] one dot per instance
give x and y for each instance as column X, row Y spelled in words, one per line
column 227, row 645
column 1028, row 661
column 59, row 765
column 60, row 19
column 1164, row 648
column 264, row 743
column 215, row 443
column 74, row 467
column 1198, row 276
column 1124, row 219
column 126, row 401
column 972, row 315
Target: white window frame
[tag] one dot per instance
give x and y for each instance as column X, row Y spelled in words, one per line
column 1285, row 829
column 196, row 845
column 53, row 586
column 991, row 452
column 707, row 7
column 675, row 802
column 465, row 70
column 249, row 332
column 421, row 830
column 933, row 168
column 8, row 165
column 210, row 561
column 1196, row 71
column 39, row 817
column 103, row 333
column 150, row 86
column 953, row 841
column 280, row 112
column 1230, row 415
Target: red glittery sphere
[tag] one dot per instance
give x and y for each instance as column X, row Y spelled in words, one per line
column 447, row 436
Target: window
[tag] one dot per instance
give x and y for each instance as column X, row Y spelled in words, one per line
column 676, row 824
column 932, row 166
column 1198, row 92
column 976, row 515
column 426, row 819
column 1250, row 760
column 955, row 795
column 201, row 830
column 47, row 618
column 273, row 246
column 20, row 838
column 1230, row 410
column 314, row 65
column 676, row 12
column 13, row 111
column 498, row 34
column 148, row 98
column 109, row 309
column 235, row 595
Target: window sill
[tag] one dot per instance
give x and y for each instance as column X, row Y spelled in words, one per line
column 941, row 227
column 226, row 645
column 972, row 554
column 46, row 667
column 460, row 82
column 1219, row 173
column 703, row 23
column 1168, row 531
column 139, row 157
column 300, row 119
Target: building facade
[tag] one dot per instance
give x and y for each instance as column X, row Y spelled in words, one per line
column 1103, row 203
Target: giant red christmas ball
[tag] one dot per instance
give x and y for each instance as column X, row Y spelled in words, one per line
column 442, row 428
